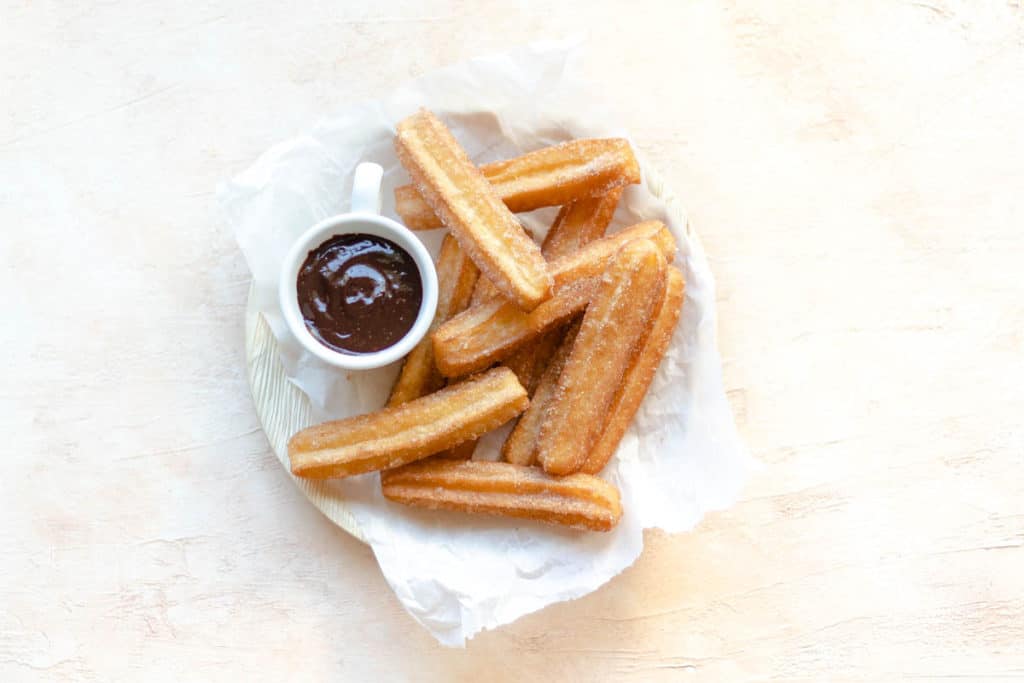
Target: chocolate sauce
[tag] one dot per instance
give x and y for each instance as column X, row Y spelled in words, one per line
column 359, row 293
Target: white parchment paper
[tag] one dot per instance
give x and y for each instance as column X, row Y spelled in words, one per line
column 458, row 574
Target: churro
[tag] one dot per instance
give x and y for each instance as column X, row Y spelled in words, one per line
column 489, row 332
column 612, row 330
column 546, row 177
column 576, row 225
column 485, row 289
column 400, row 434
column 485, row 228
column 456, row 277
column 580, row 223
column 581, row 501
column 521, row 446
column 639, row 375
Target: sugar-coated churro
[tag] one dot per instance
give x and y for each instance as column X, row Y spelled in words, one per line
column 456, row 277
column 581, row 501
column 485, row 289
column 576, row 225
column 491, row 331
column 580, row 223
column 485, row 228
column 546, row 177
column 639, row 375
column 521, row 446
column 400, row 434
column 613, row 327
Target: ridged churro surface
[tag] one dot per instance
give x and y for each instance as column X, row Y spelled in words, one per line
column 460, row 195
column 492, row 331
column 612, row 330
column 400, row 434
column 638, row 376
column 581, row 501
column 551, row 176
column 576, row 225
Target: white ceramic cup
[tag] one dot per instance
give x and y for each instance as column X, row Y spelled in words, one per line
column 364, row 219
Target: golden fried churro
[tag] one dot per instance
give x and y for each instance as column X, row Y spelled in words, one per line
column 580, row 223
column 486, row 230
column 581, row 501
column 613, row 327
column 485, row 289
column 491, row 331
column 576, row 225
column 521, row 446
column 456, row 277
column 591, row 260
column 400, row 434
column 525, row 365
column 546, row 177
column 639, row 375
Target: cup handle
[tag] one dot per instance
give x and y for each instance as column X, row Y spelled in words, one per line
column 366, row 188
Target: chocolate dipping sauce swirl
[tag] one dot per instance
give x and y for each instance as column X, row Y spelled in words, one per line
column 359, row 293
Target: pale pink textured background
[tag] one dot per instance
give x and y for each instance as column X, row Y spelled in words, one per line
column 856, row 173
